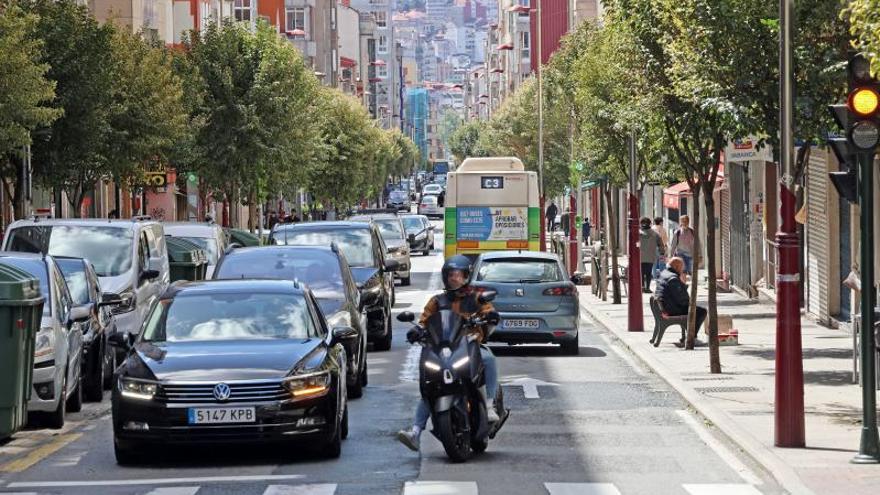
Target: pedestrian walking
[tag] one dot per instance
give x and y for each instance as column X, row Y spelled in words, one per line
column 664, row 237
column 651, row 247
column 672, row 294
column 684, row 242
column 552, row 211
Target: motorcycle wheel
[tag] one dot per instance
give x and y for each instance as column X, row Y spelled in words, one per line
column 477, row 445
column 456, row 442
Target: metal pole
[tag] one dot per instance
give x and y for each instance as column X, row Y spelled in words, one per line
column 635, row 318
column 869, row 446
column 541, row 128
column 789, row 410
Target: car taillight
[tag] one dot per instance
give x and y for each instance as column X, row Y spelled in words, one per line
column 559, row 291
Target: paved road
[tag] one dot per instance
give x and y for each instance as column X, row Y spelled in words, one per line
column 592, row 424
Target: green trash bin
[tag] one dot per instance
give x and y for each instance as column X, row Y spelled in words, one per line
column 243, row 238
column 186, row 259
column 21, row 308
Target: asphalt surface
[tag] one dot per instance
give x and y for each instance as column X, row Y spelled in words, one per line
column 600, row 425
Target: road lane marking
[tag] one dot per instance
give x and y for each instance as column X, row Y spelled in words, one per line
column 69, row 460
column 721, row 450
column 410, row 370
column 154, row 481
column 316, row 489
column 721, row 489
column 174, row 490
column 440, row 488
column 581, row 489
column 529, row 386
column 38, row 454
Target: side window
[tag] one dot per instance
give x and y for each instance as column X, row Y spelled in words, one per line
column 152, row 243
column 318, row 318
column 379, row 248
column 158, row 241
column 64, row 300
column 94, row 287
column 143, row 252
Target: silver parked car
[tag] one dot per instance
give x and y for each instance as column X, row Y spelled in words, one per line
column 536, row 300
column 207, row 236
column 58, row 353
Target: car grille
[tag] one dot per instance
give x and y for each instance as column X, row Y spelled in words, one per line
column 178, row 393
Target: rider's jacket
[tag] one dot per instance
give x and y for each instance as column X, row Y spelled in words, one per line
column 462, row 302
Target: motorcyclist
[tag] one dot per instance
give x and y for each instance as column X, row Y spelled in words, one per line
column 463, row 300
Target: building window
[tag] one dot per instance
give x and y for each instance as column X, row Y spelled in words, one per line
column 382, row 45
column 296, row 19
column 382, row 71
column 241, row 9
column 381, row 19
column 525, row 44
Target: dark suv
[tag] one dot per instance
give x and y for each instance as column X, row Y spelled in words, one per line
column 365, row 250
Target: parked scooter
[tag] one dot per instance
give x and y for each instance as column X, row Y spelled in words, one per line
column 451, row 373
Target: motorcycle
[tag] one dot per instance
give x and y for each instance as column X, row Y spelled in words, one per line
column 451, row 373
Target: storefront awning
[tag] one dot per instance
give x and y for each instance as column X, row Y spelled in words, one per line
column 672, row 195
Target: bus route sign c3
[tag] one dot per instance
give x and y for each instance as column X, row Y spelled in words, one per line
column 486, row 223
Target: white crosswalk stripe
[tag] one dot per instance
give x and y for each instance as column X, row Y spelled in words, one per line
column 317, row 489
column 581, row 489
column 721, row 489
column 174, row 490
column 440, row 488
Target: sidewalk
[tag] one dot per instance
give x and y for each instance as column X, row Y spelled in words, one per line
column 740, row 401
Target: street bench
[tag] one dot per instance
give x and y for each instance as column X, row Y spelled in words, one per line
column 663, row 321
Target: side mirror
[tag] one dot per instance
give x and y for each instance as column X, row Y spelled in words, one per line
column 487, row 296
column 149, row 274
column 342, row 334
column 431, row 228
column 411, row 239
column 120, row 339
column 406, row 317
column 391, row 265
column 110, row 299
column 234, row 245
column 81, row 313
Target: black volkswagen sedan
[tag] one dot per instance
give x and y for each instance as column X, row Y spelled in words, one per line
column 325, row 271
column 231, row 361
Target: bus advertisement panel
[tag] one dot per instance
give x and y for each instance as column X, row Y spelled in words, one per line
column 484, row 223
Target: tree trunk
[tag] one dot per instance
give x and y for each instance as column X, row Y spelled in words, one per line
column 252, row 211
column 692, row 309
column 712, row 318
column 612, row 247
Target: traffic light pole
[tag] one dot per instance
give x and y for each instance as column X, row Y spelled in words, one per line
column 789, row 398
column 869, row 446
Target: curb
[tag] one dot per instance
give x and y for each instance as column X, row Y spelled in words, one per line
column 784, row 474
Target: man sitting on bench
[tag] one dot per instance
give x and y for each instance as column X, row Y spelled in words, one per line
column 672, row 293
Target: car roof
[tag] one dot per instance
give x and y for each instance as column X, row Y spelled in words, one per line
column 414, row 215
column 129, row 223
column 197, row 229
column 374, row 216
column 232, row 286
column 323, row 225
column 500, row 255
column 281, row 248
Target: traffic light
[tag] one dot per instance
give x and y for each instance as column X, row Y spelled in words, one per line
column 858, row 118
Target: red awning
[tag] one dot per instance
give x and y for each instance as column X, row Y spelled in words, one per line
column 672, row 195
column 347, row 62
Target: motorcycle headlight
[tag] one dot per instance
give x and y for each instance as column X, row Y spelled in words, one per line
column 137, row 389
column 432, row 366
column 461, row 362
column 308, row 385
column 45, row 342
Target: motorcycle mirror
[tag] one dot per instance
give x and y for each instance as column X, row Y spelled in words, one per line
column 487, row 296
column 406, row 317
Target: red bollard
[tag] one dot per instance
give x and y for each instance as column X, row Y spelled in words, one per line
column 789, row 410
column 636, row 321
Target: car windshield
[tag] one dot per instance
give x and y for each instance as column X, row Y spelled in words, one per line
column 318, row 269
column 519, row 271
column 37, row 268
column 77, row 280
column 230, row 316
column 413, row 225
column 390, row 229
column 429, row 200
column 209, row 244
column 355, row 243
column 108, row 248
column 397, row 195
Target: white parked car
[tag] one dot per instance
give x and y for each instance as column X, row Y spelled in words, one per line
column 429, row 207
column 432, row 189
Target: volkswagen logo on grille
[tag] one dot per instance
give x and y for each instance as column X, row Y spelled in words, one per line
column 222, row 391
column 520, row 292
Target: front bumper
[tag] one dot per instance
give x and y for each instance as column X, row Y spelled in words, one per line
column 46, row 378
column 275, row 421
column 552, row 328
column 403, row 270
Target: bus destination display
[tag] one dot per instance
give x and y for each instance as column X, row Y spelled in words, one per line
column 491, row 182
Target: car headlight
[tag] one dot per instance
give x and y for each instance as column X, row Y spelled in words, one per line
column 308, row 385
column 137, row 389
column 45, row 342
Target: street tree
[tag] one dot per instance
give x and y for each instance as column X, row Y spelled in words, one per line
column 465, row 140
column 864, row 17
column 25, row 95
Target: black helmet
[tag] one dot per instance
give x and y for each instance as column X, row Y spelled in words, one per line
column 457, row 262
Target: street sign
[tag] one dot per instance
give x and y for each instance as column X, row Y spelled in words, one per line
column 155, row 179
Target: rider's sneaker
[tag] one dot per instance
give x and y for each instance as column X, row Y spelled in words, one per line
column 492, row 414
column 410, row 438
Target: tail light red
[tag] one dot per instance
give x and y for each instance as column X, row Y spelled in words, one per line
column 559, row 291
